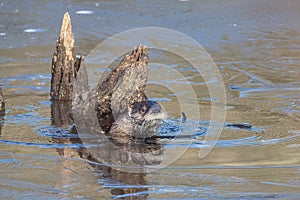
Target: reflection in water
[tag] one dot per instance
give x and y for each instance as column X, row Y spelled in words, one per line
column 1, row 121
column 60, row 114
column 113, row 152
column 2, row 109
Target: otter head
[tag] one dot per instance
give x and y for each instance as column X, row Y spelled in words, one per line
column 143, row 112
column 146, row 117
column 141, row 121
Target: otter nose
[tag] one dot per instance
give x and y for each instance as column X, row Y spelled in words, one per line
column 155, row 109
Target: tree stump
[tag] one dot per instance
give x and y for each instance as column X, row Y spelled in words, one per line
column 65, row 66
column 64, row 63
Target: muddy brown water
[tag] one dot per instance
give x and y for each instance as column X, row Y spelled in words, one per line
column 256, row 46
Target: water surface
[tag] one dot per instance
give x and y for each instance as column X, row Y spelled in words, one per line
column 256, row 46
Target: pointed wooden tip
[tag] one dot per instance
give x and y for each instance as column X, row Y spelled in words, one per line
column 63, row 69
column 66, row 27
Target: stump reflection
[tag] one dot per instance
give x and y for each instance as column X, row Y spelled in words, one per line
column 119, row 153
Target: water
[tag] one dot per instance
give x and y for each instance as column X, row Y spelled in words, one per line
column 255, row 45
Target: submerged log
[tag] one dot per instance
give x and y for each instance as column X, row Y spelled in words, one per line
column 64, row 67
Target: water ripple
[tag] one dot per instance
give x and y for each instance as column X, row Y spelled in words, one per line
column 44, row 145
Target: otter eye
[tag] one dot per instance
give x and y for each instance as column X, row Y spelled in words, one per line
column 143, row 110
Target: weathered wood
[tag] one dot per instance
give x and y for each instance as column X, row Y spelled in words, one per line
column 63, row 63
column 65, row 66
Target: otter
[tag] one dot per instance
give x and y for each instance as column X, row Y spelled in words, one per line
column 141, row 122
